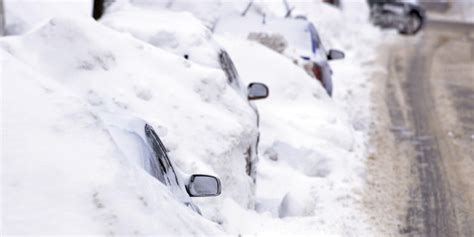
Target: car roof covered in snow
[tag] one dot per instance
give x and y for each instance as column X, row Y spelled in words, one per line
column 177, row 32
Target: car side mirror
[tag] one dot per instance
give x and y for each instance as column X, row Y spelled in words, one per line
column 201, row 185
column 257, row 91
column 335, row 54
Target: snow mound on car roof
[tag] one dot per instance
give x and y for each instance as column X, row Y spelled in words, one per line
column 62, row 173
column 204, row 123
column 206, row 11
column 178, row 32
column 22, row 16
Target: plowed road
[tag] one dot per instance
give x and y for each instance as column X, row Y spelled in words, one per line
column 428, row 163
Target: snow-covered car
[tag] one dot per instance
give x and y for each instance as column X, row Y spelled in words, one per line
column 407, row 17
column 63, row 174
column 184, row 35
column 114, row 72
column 255, row 90
column 296, row 121
column 139, row 142
column 301, row 41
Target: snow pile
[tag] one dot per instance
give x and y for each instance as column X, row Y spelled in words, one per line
column 207, row 11
column 62, row 173
column 202, row 120
column 177, row 32
column 312, row 169
column 349, row 31
column 24, row 15
column 298, row 103
column 312, row 148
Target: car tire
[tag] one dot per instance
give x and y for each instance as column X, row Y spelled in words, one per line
column 415, row 23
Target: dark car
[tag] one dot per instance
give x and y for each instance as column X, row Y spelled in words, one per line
column 407, row 17
column 141, row 145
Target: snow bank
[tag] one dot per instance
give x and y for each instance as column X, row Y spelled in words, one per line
column 201, row 119
column 24, row 15
column 307, row 167
column 184, row 35
column 62, row 174
column 311, row 161
column 314, row 148
column 177, row 32
column 207, row 11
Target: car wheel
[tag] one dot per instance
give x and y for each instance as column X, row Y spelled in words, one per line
column 413, row 24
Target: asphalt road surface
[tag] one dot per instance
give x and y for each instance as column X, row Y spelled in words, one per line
column 421, row 178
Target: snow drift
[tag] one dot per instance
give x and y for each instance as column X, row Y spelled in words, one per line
column 62, row 173
column 311, row 174
column 179, row 33
column 307, row 166
column 22, row 16
column 203, row 122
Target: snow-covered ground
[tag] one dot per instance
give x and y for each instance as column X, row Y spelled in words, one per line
column 60, row 75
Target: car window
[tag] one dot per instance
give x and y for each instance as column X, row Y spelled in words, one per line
column 228, row 66
column 150, row 163
column 318, row 47
column 315, row 41
column 161, row 162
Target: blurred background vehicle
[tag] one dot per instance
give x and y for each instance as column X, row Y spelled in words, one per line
column 139, row 143
column 407, row 17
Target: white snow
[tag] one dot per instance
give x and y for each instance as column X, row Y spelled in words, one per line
column 62, row 174
column 204, row 122
column 24, row 15
column 307, row 166
column 177, row 32
column 65, row 71
column 459, row 11
column 313, row 152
